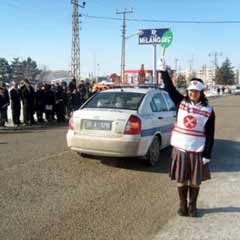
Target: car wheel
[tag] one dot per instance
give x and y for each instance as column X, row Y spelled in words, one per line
column 153, row 154
column 83, row 155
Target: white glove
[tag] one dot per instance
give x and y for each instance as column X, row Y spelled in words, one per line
column 205, row 160
column 162, row 64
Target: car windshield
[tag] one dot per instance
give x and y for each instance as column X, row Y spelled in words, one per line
column 116, row 100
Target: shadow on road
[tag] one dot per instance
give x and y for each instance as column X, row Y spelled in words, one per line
column 226, row 158
column 137, row 164
column 206, row 211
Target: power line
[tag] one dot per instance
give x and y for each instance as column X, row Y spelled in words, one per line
column 17, row 5
column 164, row 20
column 101, row 17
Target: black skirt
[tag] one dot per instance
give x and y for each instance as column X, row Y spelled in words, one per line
column 188, row 166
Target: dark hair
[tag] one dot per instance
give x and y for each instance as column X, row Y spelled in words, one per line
column 197, row 79
column 203, row 99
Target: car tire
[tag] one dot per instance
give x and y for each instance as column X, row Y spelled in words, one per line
column 83, row 155
column 152, row 157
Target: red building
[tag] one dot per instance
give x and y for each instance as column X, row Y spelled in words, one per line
column 115, row 78
column 137, row 76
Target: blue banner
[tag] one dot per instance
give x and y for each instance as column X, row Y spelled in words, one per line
column 151, row 36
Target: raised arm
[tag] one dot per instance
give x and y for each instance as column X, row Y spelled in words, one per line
column 175, row 95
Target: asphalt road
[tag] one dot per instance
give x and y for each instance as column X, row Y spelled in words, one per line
column 48, row 192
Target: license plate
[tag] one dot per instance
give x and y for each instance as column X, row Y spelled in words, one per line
column 97, row 125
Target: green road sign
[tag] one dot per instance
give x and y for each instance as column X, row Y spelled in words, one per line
column 166, row 39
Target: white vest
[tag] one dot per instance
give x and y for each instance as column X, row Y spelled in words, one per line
column 189, row 133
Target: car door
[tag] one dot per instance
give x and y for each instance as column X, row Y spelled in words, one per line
column 162, row 118
column 172, row 111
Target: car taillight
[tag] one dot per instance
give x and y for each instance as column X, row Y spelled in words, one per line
column 71, row 125
column 133, row 126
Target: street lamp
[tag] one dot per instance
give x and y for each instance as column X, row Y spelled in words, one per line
column 132, row 35
column 97, row 72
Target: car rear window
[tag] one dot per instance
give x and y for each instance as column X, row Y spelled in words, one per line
column 116, row 100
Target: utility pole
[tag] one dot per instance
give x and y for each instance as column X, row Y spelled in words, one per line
column 75, row 65
column 176, row 65
column 123, row 41
column 205, row 73
column 95, row 67
column 190, row 74
column 215, row 56
column 155, row 77
column 191, row 61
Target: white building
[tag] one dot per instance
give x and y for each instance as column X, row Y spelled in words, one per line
column 206, row 74
column 237, row 75
column 188, row 74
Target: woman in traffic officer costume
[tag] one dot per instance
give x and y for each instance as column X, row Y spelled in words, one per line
column 192, row 140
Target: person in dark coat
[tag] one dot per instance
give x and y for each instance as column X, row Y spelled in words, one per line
column 75, row 100
column 54, row 91
column 72, row 85
column 2, row 119
column 192, row 140
column 69, row 103
column 64, row 87
column 15, row 96
column 39, row 102
column 4, row 102
column 60, row 103
column 49, row 101
column 28, row 95
column 82, row 92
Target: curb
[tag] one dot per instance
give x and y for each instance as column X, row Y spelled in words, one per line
column 12, row 129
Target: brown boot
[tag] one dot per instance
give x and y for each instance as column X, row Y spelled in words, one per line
column 182, row 193
column 193, row 195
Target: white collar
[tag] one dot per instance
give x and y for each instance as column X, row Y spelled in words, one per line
column 197, row 104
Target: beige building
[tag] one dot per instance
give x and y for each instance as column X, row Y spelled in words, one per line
column 237, row 75
column 206, row 74
column 188, row 75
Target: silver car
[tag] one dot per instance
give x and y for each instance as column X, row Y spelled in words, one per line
column 128, row 122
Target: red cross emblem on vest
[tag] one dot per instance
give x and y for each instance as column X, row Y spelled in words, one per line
column 190, row 121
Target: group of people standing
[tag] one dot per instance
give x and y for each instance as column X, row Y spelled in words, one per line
column 55, row 101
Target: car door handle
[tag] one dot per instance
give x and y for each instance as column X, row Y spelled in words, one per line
column 160, row 117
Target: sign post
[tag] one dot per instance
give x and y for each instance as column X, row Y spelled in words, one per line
column 166, row 40
column 152, row 37
column 154, row 63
